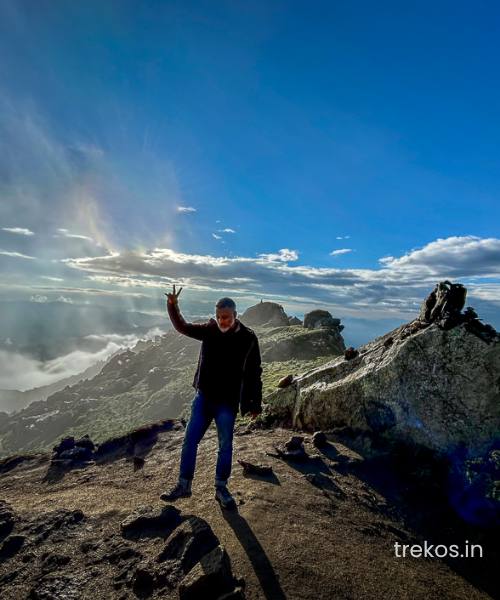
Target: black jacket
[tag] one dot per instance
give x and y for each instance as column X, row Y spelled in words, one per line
column 229, row 365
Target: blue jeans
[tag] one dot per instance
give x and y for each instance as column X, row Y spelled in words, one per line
column 202, row 413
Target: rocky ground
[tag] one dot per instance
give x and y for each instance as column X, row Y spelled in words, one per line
column 320, row 528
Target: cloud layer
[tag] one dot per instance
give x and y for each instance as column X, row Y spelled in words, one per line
column 397, row 285
column 21, row 372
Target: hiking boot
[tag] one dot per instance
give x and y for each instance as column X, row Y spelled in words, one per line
column 179, row 490
column 223, row 496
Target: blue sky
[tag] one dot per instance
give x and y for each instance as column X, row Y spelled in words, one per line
column 338, row 155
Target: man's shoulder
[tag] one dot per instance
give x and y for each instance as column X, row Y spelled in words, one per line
column 248, row 331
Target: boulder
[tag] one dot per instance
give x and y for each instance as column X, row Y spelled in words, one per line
column 269, row 314
column 295, row 342
column 210, row 578
column 321, row 318
column 285, row 381
column 189, row 542
column 319, row 439
column 429, row 386
column 147, row 521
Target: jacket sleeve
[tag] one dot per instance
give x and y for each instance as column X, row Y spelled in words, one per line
column 198, row 331
column 251, row 400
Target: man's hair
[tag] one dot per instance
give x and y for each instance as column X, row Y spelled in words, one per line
column 226, row 303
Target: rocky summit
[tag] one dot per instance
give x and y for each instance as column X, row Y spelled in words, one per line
column 359, row 453
column 433, row 382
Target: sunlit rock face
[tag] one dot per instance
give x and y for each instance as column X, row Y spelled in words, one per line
column 420, row 383
column 265, row 314
column 285, row 338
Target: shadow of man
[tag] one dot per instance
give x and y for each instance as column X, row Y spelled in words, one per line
column 260, row 562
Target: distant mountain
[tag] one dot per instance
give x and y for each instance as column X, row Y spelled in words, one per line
column 152, row 381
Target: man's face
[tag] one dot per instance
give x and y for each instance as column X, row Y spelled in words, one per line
column 225, row 318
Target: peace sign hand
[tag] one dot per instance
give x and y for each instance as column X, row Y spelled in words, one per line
column 172, row 298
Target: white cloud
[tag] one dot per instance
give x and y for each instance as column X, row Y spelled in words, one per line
column 456, row 256
column 20, row 372
column 340, row 251
column 16, row 254
column 217, row 237
column 283, row 255
column 227, row 230
column 18, row 230
column 400, row 283
column 39, row 298
column 342, row 237
column 65, row 299
column 186, row 209
column 51, row 278
column 65, row 233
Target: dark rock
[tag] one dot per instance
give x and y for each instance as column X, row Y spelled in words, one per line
column 292, row 449
column 138, row 463
column 88, row 545
column 28, row 557
column 118, row 552
column 189, row 542
column 11, row 546
column 210, row 578
column 9, row 463
column 54, row 587
column 85, row 442
column 294, row 443
column 142, row 438
column 319, row 439
column 321, row 318
column 8, row 577
column 51, row 562
column 294, row 321
column 443, row 306
column 77, row 454
column 7, row 519
column 65, row 444
column 285, row 381
column 350, row 353
column 445, row 302
column 59, row 521
column 143, row 582
column 147, row 521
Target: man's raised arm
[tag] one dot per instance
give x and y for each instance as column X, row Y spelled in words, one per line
column 198, row 331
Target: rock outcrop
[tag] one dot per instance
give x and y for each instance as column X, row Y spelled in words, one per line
column 268, row 314
column 321, row 318
column 296, row 342
column 426, row 382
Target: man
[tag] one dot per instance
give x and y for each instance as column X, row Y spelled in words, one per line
column 228, row 376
